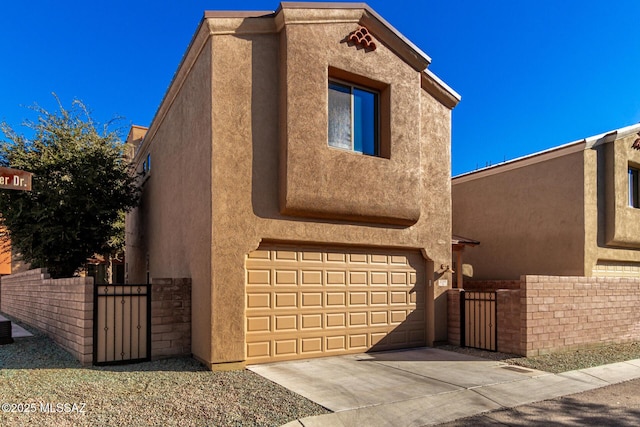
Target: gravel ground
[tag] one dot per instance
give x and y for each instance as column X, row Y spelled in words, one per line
column 562, row 362
column 35, row 372
column 48, row 387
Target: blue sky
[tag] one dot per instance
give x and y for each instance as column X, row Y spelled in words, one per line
column 532, row 74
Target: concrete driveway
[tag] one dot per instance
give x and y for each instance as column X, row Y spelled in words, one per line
column 424, row 386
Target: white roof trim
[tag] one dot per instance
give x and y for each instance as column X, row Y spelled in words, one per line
column 551, row 153
column 445, row 86
column 603, row 138
column 541, row 156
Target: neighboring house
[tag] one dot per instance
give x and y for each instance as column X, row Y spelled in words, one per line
column 298, row 171
column 573, row 210
column 5, row 252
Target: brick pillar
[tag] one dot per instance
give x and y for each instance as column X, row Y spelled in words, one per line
column 509, row 321
column 170, row 317
column 453, row 316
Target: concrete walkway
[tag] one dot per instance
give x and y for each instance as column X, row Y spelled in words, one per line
column 425, row 386
column 17, row 331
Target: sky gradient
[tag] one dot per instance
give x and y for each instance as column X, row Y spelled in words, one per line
column 532, row 74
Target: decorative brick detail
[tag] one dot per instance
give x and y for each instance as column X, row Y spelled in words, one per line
column 62, row 308
column 170, row 318
column 362, row 39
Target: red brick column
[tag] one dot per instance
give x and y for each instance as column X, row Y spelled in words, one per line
column 453, row 316
column 509, row 321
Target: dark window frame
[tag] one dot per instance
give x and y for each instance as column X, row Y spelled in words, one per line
column 634, row 187
column 365, row 131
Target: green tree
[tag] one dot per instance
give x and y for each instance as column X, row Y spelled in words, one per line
column 81, row 187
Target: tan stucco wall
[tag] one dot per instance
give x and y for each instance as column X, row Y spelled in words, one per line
column 622, row 220
column 241, row 98
column 332, row 183
column 613, row 227
column 529, row 219
column 173, row 223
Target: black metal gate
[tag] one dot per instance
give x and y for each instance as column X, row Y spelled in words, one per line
column 121, row 324
column 478, row 322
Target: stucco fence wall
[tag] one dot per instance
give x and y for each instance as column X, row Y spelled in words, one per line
column 63, row 309
column 547, row 314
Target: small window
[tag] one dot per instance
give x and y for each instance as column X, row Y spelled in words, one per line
column 146, row 165
column 634, row 193
column 354, row 118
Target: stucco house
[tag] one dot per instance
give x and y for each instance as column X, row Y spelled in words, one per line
column 298, row 171
column 573, row 210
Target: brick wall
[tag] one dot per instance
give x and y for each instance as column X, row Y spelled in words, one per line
column 170, row 317
column 564, row 313
column 551, row 314
column 62, row 308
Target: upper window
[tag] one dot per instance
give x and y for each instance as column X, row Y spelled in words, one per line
column 354, row 118
column 146, row 165
column 634, row 190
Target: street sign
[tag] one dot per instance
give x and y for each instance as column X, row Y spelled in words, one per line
column 15, row 179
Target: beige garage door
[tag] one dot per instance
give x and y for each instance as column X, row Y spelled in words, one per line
column 304, row 302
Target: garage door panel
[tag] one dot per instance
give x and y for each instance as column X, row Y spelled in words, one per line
column 311, row 278
column 358, row 298
column 335, row 320
column 311, row 321
column 358, row 278
column 379, row 278
column 336, row 299
column 336, row 343
column 286, row 277
column 259, row 277
column 358, row 341
column 336, row 278
column 258, row 300
column 286, row 255
column 358, row 319
column 311, row 345
column 259, row 324
column 309, row 302
column 311, row 299
column 284, row 348
column 286, row 300
column 357, row 258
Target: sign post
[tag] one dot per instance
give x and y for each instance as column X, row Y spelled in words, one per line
column 15, row 179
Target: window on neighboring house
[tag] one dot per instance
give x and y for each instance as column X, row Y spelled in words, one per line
column 354, row 118
column 634, row 190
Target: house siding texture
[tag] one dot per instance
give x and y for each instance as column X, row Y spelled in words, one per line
column 529, row 220
column 246, row 120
